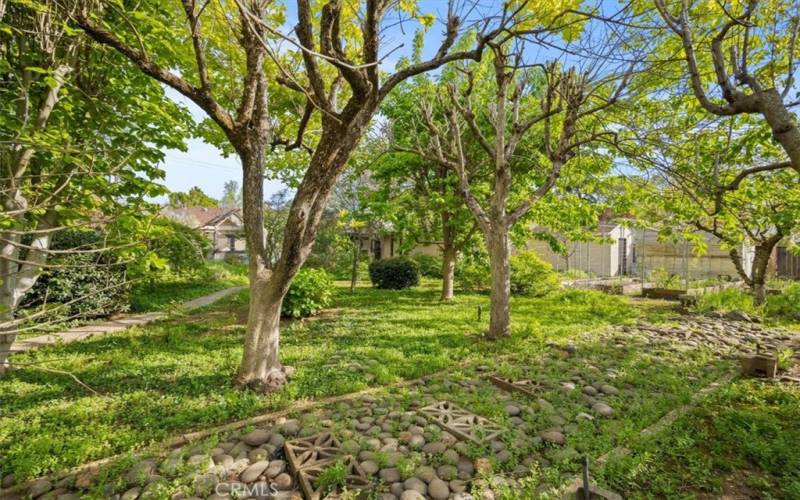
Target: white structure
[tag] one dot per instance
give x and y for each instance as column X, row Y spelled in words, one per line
column 614, row 258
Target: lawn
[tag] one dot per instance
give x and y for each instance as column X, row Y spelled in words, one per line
column 175, row 376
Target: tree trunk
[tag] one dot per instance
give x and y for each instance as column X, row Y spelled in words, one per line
column 759, row 272
column 499, row 257
column 260, row 369
column 448, row 257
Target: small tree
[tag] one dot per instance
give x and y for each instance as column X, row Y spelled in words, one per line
column 498, row 189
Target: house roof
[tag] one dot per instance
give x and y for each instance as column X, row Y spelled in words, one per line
column 200, row 216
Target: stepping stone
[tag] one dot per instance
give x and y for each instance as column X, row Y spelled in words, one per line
column 461, row 423
column 355, row 478
column 307, row 452
column 527, row 387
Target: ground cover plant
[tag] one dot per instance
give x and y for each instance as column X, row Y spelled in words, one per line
column 180, row 377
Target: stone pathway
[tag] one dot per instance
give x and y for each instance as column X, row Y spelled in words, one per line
column 450, row 436
column 115, row 325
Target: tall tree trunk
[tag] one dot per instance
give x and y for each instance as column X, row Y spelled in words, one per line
column 448, row 257
column 260, row 369
column 499, row 258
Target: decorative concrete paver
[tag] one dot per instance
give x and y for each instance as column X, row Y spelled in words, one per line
column 530, row 388
column 307, row 452
column 115, row 325
column 355, row 478
column 461, row 423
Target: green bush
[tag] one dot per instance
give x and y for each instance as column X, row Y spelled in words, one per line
column 310, row 291
column 531, row 276
column 93, row 277
column 729, row 299
column 472, row 274
column 785, row 305
column 395, row 273
column 430, row 266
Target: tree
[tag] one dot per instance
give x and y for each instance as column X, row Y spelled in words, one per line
column 275, row 212
column 700, row 184
column 746, row 54
column 422, row 196
column 231, row 195
column 82, row 148
column 341, row 82
column 195, row 197
column 459, row 131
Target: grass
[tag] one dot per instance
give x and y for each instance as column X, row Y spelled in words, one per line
column 167, row 292
column 780, row 309
column 741, row 442
column 179, row 379
column 180, row 375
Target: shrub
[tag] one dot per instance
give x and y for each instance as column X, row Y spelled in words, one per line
column 395, row 273
column 532, row 276
column 430, row 266
column 785, row 305
column 310, row 291
column 727, row 300
column 472, row 274
column 94, row 277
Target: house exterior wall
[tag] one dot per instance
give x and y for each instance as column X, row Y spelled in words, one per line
column 220, row 243
column 600, row 259
column 432, row 249
column 679, row 259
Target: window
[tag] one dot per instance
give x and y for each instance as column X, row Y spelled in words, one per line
column 232, row 243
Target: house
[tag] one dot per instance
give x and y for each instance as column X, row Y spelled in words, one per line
column 224, row 228
column 787, row 262
column 615, row 257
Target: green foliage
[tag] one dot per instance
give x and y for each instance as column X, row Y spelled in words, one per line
column 310, row 292
column 729, row 299
column 663, row 279
column 532, row 276
column 332, row 477
column 395, row 273
column 195, row 197
column 472, row 273
column 181, row 248
column 83, row 285
column 785, row 305
column 430, row 266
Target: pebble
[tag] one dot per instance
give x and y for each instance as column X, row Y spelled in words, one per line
column 251, row 473
column 512, row 410
column 438, row 489
column 609, row 389
column 411, row 495
column 447, row 472
column 283, row 481
column 390, row 475
column 40, row 487
column 553, row 437
column 415, row 484
column 433, row 448
column 589, row 390
column 603, row 409
column 370, row 467
column 275, row 468
column 426, row 473
column 257, row 437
